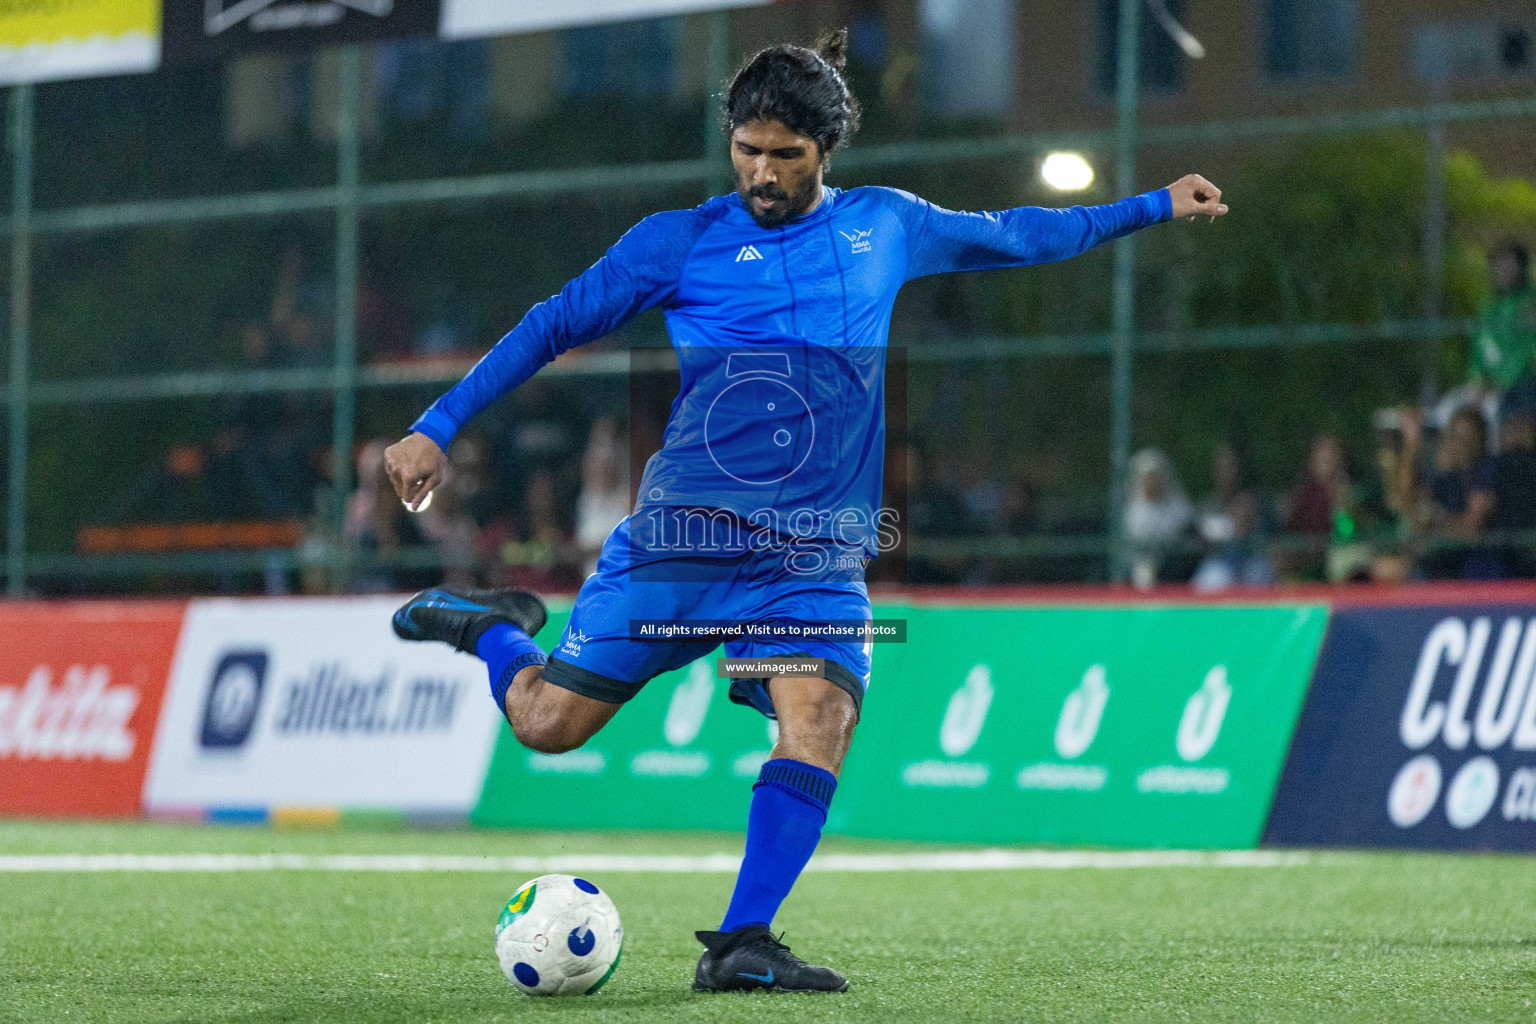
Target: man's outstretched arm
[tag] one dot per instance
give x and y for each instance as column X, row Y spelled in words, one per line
column 638, row 272
column 943, row 241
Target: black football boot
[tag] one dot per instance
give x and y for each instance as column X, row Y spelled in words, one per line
column 459, row 615
column 750, row 959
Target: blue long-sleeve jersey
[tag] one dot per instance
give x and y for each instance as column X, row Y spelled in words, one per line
column 780, row 335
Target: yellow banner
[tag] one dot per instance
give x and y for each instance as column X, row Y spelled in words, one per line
column 50, row 39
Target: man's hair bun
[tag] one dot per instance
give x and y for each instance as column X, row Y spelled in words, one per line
column 832, row 47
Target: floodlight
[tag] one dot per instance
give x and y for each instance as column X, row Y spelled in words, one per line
column 1066, row 172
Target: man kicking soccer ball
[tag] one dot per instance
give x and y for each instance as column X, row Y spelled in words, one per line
column 763, row 505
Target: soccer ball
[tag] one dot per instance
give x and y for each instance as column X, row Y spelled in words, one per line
column 559, row 936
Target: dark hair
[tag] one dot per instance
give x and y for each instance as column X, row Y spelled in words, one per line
column 803, row 88
column 1513, row 249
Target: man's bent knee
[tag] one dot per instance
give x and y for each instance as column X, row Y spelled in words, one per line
column 552, row 720
column 547, row 733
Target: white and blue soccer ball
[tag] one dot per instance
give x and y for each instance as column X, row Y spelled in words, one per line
column 559, row 936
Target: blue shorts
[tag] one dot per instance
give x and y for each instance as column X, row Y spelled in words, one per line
column 601, row 656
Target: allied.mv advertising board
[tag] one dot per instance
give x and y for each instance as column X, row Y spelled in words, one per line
column 315, row 703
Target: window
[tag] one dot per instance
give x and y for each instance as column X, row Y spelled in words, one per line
column 1161, row 60
column 1310, row 40
column 969, row 55
column 427, row 80
column 635, row 59
column 1471, row 50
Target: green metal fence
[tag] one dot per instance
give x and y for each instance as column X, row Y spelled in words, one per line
column 349, row 196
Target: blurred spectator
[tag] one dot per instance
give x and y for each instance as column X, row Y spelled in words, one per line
column 1372, row 527
column 447, row 84
column 447, row 521
column 1460, row 497
column 1231, row 523
column 1158, row 515
column 983, row 496
column 1239, row 559
column 545, row 428
column 1322, row 488
column 1232, row 477
column 604, row 499
column 1504, row 346
column 1019, row 513
column 377, row 524
column 473, row 479
column 1514, row 495
column 303, row 312
column 242, row 484
column 383, row 322
column 935, row 510
column 1309, row 510
column 449, row 328
column 536, row 552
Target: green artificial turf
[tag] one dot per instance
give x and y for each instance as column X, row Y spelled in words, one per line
column 1351, row 937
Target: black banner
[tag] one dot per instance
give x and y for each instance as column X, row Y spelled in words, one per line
column 1419, row 731
column 196, row 30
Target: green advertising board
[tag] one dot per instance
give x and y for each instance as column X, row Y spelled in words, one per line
column 680, row 755
column 1119, row 726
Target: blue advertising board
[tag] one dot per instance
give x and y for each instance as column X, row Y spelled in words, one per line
column 1419, row 731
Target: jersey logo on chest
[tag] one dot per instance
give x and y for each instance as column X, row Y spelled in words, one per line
column 859, row 240
column 748, row 252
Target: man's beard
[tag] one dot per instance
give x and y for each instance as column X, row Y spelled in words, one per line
column 788, row 206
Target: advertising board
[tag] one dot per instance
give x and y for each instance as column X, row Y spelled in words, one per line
column 1142, row 726
column 45, row 40
column 1419, row 731
column 465, row 19
column 315, row 703
column 1127, row 726
column 213, row 29
column 80, row 691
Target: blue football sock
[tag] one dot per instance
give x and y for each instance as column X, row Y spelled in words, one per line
column 789, row 807
column 506, row 651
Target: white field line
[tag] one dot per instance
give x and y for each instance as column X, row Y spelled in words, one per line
column 719, row 863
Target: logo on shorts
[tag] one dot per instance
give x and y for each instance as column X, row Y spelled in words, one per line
column 572, row 644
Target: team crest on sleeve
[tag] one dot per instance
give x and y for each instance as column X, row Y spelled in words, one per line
column 859, row 240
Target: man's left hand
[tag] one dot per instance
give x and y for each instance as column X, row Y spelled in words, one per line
column 1194, row 196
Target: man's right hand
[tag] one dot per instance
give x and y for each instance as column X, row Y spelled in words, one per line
column 415, row 466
